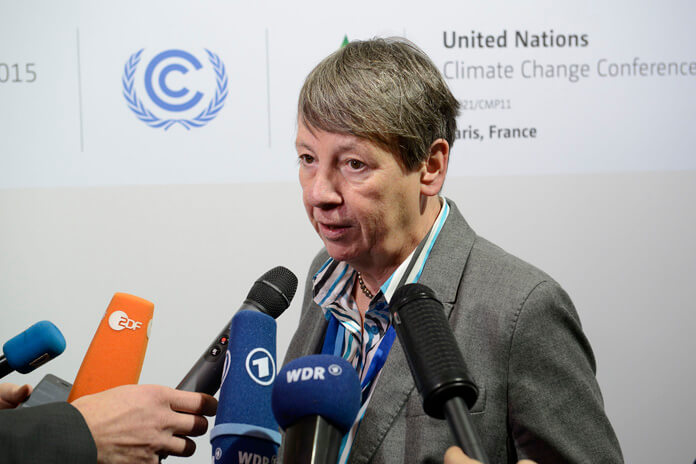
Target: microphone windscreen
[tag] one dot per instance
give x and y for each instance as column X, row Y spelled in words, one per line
column 244, row 424
column 115, row 356
column 274, row 291
column 317, row 385
column 35, row 346
column 436, row 363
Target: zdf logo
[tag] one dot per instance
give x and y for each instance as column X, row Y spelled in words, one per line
column 174, row 87
column 120, row 320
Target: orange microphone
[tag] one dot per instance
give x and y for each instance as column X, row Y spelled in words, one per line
column 115, row 356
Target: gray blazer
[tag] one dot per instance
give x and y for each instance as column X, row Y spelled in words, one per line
column 523, row 345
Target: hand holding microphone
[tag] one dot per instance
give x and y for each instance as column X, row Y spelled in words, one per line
column 133, row 423
column 138, row 423
column 127, row 423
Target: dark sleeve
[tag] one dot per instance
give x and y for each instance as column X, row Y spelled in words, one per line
column 54, row 433
column 555, row 407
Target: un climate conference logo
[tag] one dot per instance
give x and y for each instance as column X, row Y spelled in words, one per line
column 166, row 78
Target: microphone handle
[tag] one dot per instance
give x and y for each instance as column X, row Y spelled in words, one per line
column 206, row 375
column 4, row 366
column 312, row 440
column 465, row 434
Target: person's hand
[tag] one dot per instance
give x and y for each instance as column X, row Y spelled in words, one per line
column 454, row 455
column 11, row 395
column 140, row 423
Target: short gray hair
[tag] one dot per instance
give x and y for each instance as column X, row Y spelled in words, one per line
column 384, row 90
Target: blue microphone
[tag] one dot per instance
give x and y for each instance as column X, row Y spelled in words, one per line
column 32, row 348
column 315, row 400
column 245, row 430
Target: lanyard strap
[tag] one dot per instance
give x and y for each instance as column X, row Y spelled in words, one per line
column 333, row 344
column 330, row 336
column 379, row 358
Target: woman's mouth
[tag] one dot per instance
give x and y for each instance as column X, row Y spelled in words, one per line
column 332, row 231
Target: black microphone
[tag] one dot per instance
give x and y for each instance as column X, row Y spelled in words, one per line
column 315, row 400
column 436, row 363
column 271, row 294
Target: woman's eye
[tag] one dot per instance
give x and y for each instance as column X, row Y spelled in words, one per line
column 355, row 164
column 306, row 159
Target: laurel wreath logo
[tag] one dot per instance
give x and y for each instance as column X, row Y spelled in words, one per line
column 204, row 117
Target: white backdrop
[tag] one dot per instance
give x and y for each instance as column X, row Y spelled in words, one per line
column 94, row 201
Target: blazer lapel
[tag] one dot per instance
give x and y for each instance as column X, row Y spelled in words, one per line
column 442, row 273
column 444, row 268
column 308, row 341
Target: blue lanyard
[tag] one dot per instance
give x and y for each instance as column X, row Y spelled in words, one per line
column 333, row 344
column 379, row 358
column 333, row 339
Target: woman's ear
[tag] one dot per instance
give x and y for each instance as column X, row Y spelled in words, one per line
column 434, row 168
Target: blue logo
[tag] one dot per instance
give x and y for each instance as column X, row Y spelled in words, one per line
column 172, row 64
